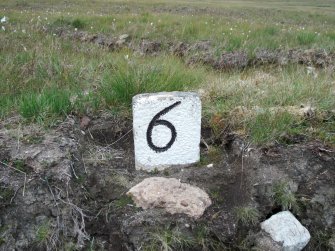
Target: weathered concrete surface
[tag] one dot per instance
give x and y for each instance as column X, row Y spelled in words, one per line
column 170, row 194
column 284, row 228
column 175, row 120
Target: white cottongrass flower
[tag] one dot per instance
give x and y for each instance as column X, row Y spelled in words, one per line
column 151, row 24
column 3, row 28
column 75, row 29
column 4, row 19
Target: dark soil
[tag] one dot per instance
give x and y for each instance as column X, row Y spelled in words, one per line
column 66, row 191
column 203, row 52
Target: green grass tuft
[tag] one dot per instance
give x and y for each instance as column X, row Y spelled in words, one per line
column 128, row 79
column 284, row 197
column 247, row 215
column 169, row 240
column 266, row 127
column 78, row 23
column 50, row 103
column 306, row 38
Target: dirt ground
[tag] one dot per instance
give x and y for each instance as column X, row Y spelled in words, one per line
column 64, row 188
column 203, row 52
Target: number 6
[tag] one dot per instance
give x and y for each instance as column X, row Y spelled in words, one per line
column 155, row 122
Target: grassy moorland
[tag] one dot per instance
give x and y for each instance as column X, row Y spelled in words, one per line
column 44, row 77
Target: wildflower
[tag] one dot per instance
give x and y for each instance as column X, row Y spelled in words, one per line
column 75, row 29
column 4, row 19
column 231, row 29
column 23, row 31
column 3, row 28
column 151, row 24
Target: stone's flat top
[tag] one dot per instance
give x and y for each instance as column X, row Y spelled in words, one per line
column 285, row 228
column 166, row 95
column 170, row 194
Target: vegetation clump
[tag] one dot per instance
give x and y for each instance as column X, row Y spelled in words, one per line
column 247, row 215
column 284, row 197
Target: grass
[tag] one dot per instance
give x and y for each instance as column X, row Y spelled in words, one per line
column 247, row 215
column 45, row 78
column 307, row 38
column 284, row 197
column 160, row 74
column 265, row 103
column 206, row 239
column 43, row 233
column 266, row 127
column 201, row 238
column 169, row 240
column 123, row 201
column 321, row 240
column 48, row 103
column 6, row 193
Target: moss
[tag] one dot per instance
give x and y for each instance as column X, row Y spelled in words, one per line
column 123, row 201
column 6, row 193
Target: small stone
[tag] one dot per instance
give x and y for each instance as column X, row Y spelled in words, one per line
column 84, row 122
column 177, row 197
column 123, row 37
column 284, row 228
column 122, row 40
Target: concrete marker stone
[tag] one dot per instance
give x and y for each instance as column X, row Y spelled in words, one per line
column 167, row 127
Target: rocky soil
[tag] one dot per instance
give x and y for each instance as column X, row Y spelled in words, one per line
column 65, row 189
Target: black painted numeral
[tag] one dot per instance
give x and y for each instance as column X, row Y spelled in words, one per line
column 155, row 122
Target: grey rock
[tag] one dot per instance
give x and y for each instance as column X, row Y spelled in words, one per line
column 264, row 242
column 284, row 228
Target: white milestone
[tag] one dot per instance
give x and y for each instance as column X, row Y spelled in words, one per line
column 167, row 129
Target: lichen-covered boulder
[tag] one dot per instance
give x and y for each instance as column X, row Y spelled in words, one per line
column 170, row 194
